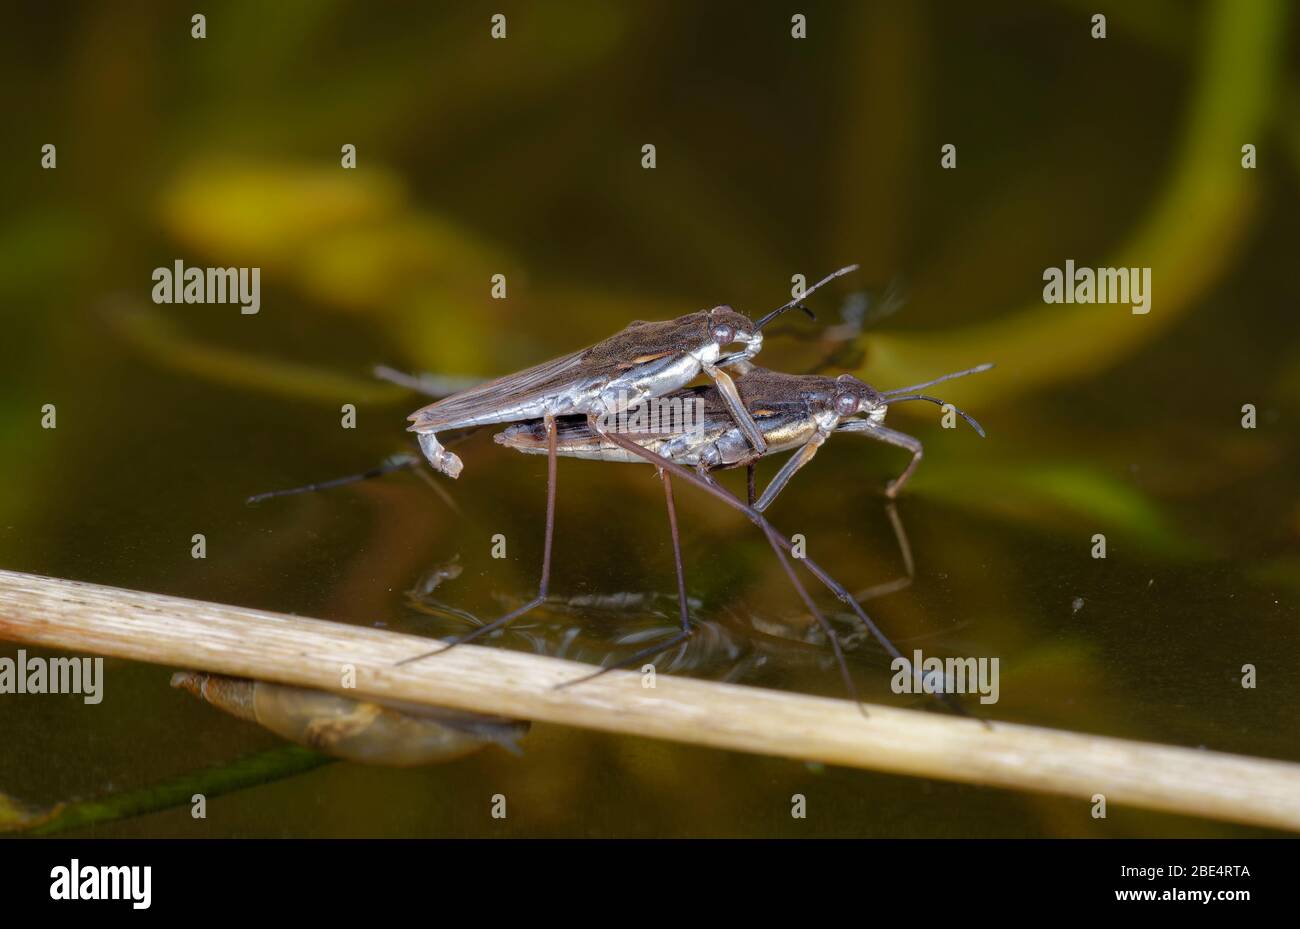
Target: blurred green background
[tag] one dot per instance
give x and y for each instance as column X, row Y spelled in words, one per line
column 775, row 156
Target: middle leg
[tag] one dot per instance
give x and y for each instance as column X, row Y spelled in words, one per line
column 780, row 545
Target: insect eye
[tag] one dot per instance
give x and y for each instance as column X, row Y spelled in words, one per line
column 724, row 334
column 846, row 404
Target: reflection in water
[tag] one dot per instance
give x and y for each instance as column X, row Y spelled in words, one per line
column 603, row 629
column 591, row 628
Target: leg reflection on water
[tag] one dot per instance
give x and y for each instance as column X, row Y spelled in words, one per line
column 733, row 642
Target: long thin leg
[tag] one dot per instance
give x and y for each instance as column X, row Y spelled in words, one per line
column 750, row 489
column 659, row 647
column 792, row 464
column 834, row 586
column 396, row 463
column 731, row 396
column 778, row 542
column 677, row 552
column 707, row 483
column 544, row 584
column 902, row 440
column 891, row 437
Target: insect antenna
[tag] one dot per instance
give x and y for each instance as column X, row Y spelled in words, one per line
column 938, row 380
column 935, row 400
column 797, row 302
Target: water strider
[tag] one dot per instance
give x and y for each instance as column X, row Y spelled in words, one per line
column 646, row 359
column 779, row 543
column 726, row 397
column 793, row 411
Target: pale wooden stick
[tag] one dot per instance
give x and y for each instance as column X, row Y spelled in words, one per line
column 270, row 646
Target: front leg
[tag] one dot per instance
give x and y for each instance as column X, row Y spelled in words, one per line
column 731, row 396
column 793, row 464
column 902, row 440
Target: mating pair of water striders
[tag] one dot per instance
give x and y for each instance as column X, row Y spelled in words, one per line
column 564, row 407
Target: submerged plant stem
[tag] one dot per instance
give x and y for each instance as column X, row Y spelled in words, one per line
column 1189, row 235
column 251, row 771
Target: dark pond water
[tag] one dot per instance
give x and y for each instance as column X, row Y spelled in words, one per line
column 774, row 157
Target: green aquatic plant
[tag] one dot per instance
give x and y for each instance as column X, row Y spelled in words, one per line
column 1189, row 235
column 241, row 774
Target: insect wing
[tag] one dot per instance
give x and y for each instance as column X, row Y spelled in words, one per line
column 485, row 401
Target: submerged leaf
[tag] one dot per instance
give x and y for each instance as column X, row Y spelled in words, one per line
column 154, row 336
column 1056, row 495
column 264, row 213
